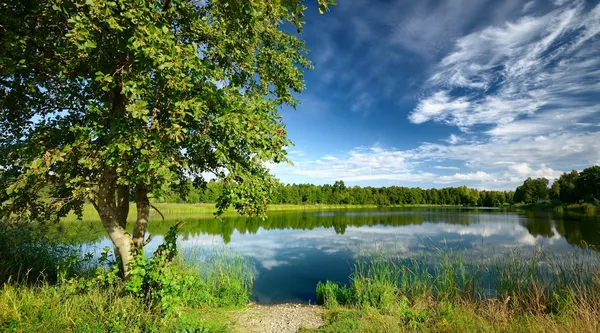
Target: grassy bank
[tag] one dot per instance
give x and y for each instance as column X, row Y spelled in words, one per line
column 179, row 210
column 508, row 294
column 585, row 208
column 182, row 210
column 52, row 288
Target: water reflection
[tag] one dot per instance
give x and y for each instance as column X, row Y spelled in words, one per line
column 293, row 251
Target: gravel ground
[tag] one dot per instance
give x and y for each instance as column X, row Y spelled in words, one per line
column 281, row 318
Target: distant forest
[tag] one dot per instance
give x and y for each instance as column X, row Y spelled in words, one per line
column 569, row 188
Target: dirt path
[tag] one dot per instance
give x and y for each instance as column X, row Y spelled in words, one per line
column 281, row 318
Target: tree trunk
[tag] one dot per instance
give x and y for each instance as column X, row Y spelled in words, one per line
column 143, row 214
column 122, row 205
column 107, row 209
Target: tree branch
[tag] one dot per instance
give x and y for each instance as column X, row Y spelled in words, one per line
column 158, row 211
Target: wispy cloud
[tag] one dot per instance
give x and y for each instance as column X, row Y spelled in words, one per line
column 520, row 79
column 545, row 66
column 453, row 139
column 441, row 167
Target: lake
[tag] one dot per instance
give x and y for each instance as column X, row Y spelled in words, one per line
column 293, row 251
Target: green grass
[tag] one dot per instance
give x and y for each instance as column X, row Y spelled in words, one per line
column 511, row 292
column 173, row 211
column 222, row 278
column 206, row 287
column 47, row 308
column 208, row 298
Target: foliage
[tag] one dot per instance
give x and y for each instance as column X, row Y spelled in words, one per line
column 102, row 100
column 340, row 194
column 564, row 188
column 169, row 282
column 163, row 293
column 570, row 188
column 532, row 190
column 588, row 184
column 29, row 255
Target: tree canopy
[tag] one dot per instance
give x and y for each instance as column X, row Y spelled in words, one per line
column 532, row 190
column 570, row 188
column 108, row 100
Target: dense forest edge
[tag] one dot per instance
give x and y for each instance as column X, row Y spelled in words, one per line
column 575, row 188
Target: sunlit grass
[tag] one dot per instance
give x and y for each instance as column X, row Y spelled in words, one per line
column 451, row 291
column 174, row 211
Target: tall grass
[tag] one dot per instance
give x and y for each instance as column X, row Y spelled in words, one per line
column 48, row 287
column 516, row 291
column 224, row 278
column 536, row 281
column 29, row 255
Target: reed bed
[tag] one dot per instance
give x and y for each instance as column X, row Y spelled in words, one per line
column 449, row 290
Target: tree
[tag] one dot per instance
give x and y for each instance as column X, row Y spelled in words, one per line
column 111, row 99
column 532, row 190
column 564, row 187
column 588, row 184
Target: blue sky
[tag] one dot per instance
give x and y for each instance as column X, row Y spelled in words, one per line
column 482, row 93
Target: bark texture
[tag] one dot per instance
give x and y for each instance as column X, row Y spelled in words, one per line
column 106, row 206
column 143, row 214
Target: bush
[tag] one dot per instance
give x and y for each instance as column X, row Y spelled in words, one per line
column 588, row 208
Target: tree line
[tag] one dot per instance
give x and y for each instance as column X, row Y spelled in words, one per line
column 570, row 188
column 340, row 194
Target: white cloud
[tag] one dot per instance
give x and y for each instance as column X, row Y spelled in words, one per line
column 440, row 107
column 521, row 76
column 478, row 176
column 441, row 167
column 528, row 6
column 426, row 27
column 453, row 139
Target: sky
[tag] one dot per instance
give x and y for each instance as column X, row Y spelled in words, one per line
column 482, row 93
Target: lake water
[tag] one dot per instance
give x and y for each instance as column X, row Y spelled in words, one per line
column 293, row 251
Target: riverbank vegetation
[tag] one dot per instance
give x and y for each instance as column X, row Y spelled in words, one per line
column 510, row 293
column 49, row 287
column 573, row 188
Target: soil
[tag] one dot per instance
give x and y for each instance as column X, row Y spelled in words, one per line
column 280, row 318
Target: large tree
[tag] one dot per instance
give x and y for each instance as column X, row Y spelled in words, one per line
column 564, row 188
column 588, row 184
column 532, row 190
column 111, row 100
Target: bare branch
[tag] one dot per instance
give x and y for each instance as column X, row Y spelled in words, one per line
column 158, row 211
